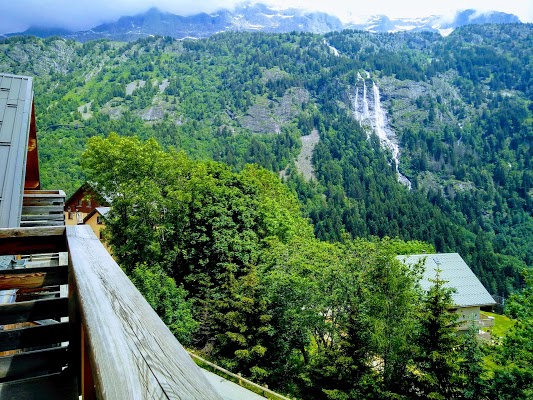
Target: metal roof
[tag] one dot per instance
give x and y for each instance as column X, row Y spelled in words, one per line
column 16, row 98
column 470, row 291
column 100, row 210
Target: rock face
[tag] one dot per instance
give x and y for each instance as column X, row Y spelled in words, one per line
column 259, row 17
column 268, row 116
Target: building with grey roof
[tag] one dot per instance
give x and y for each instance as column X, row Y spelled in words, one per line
column 470, row 295
column 16, row 112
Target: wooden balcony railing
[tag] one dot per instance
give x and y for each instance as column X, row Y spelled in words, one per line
column 118, row 348
column 43, row 208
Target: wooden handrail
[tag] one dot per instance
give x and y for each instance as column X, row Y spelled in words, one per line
column 129, row 351
column 239, row 378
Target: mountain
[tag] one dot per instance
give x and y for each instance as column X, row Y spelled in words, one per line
column 247, row 17
column 450, row 117
column 259, row 17
column 381, row 23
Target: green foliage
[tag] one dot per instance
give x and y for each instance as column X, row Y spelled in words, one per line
column 206, row 226
column 474, row 379
column 437, row 370
column 464, row 128
column 271, row 300
column 167, row 299
column 514, row 372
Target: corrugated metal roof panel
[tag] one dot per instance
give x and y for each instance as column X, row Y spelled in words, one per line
column 469, row 290
column 16, row 97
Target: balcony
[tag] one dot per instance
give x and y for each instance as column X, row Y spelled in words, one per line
column 43, row 208
column 100, row 339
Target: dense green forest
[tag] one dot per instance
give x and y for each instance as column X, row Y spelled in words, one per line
column 233, row 267
column 291, row 278
column 461, row 108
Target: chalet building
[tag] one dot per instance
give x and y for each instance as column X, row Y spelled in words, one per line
column 470, row 296
column 99, row 339
column 84, row 201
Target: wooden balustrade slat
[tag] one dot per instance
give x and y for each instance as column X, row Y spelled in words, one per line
column 42, row 193
column 34, row 336
column 49, row 222
column 50, row 239
column 33, row 277
column 36, row 310
column 50, row 387
column 41, row 209
column 46, row 217
column 134, row 355
column 32, row 363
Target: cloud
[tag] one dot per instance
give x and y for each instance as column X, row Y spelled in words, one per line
column 18, row 15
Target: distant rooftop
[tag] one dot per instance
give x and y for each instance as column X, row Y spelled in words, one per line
column 16, row 104
column 470, row 291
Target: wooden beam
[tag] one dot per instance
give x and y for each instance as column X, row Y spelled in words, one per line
column 133, row 354
column 42, row 193
column 41, row 209
column 32, row 363
column 50, row 239
column 50, row 387
column 49, row 222
column 27, row 278
column 36, row 310
column 33, row 336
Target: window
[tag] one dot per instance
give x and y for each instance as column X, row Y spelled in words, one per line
column 99, row 219
column 70, row 215
column 80, row 202
column 88, row 202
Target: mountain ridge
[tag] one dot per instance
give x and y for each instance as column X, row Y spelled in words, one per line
column 259, row 17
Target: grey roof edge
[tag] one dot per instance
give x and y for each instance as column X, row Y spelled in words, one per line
column 483, row 295
column 11, row 207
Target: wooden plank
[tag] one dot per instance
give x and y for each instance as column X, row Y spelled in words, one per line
column 32, row 363
column 33, row 310
column 27, row 224
column 88, row 391
column 34, row 336
column 41, row 209
column 40, row 201
column 129, row 361
column 49, row 217
column 30, row 232
column 43, row 193
column 32, row 240
column 33, row 277
column 50, row 387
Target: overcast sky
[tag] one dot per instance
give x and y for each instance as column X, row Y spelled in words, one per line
column 18, row 15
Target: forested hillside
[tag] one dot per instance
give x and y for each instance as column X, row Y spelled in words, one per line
column 459, row 107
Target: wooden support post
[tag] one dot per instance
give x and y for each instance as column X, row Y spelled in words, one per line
column 75, row 359
column 87, row 382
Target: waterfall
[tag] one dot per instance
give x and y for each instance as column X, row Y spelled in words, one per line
column 366, row 113
column 332, row 49
column 356, row 104
column 380, row 127
column 375, row 117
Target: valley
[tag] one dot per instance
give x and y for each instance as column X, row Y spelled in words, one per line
column 416, row 107
column 264, row 184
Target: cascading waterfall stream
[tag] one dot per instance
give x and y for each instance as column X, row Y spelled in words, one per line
column 366, row 112
column 377, row 120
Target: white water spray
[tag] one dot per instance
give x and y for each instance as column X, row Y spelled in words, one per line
column 366, row 112
column 376, row 119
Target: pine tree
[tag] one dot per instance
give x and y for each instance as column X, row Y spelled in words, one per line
column 474, row 384
column 436, row 363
